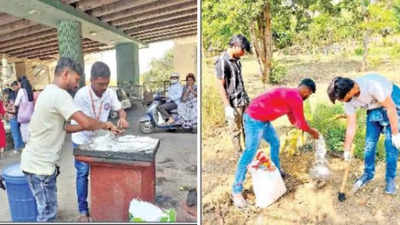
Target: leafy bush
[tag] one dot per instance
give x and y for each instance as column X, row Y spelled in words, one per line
column 278, row 72
column 160, row 70
column 359, row 51
column 324, row 119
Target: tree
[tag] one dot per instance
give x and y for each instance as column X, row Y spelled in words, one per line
column 267, row 22
column 222, row 19
column 378, row 19
column 160, row 70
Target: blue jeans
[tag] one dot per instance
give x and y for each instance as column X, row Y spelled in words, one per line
column 82, row 173
column 44, row 189
column 377, row 123
column 16, row 134
column 255, row 130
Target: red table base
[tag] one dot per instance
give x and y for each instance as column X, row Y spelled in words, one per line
column 114, row 183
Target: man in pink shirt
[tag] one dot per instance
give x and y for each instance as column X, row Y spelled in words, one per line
column 257, row 124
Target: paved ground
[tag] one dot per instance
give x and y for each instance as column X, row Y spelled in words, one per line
column 176, row 163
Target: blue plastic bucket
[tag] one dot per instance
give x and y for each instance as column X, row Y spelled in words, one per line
column 21, row 202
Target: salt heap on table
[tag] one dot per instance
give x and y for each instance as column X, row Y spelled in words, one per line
column 127, row 143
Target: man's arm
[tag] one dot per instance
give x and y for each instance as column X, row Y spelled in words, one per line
column 73, row 128
column 116, row 106
column 296, row 117
column 19, row 97
column 350, row 131
column 122, row 122
column 392, row 114
column 194, row 90
column 87, row 123
column 222, row 92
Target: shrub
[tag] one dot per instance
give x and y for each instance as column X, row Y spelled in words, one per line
column 359, row 51
column 278, row 72
column 323, row 118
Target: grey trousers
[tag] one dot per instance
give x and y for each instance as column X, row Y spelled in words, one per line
column 164, row 108
column 236, row 130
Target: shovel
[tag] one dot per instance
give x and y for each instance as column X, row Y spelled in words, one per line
column 341, row 194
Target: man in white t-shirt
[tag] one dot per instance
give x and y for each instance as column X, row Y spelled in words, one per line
column 96, row 101
column 48, row 129
column 381, row 98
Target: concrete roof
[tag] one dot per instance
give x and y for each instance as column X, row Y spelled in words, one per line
column 28, row 28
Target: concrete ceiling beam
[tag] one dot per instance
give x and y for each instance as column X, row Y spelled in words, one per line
column 168, row 32
column 25, row 32
column 143, row 9
column 50, row 12
column 118, row 6
column 160, row 24
column 6, row 18
column 157, row 20
column 163, row 38
column 20, row 42
column 168, row 26
column 54, row 48
column 91, row 4
column 17, row 25
column 175, row 9
column 43, row 45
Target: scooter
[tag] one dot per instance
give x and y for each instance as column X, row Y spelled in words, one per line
column 153, row 119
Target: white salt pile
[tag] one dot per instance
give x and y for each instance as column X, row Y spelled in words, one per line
column 145, row 211
column 127, row 143
column 320, row 169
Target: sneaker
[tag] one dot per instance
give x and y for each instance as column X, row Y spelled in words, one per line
column 361, row 182
column 390, row 188
column 239, row 201
column 283, row 173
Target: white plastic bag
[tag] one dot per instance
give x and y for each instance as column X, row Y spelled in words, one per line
column 320, row 170
column 268, row 184
column 141, row 211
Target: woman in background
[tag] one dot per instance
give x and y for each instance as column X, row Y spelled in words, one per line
column 187, row 108
column 24, row 101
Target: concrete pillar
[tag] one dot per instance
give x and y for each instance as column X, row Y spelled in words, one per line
column 127, row 59
column 69, row 42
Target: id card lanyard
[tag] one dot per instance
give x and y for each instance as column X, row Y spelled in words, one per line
column 97, row 116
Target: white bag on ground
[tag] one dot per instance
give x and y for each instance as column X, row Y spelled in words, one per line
column 268, row 184
column 141, row 211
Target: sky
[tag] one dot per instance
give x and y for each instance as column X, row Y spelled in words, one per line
column 154, row 51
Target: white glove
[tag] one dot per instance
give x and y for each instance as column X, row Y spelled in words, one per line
column 346, row 155
column 396, row 140
column 229, row 113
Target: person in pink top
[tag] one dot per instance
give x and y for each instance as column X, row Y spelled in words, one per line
column 257, row 124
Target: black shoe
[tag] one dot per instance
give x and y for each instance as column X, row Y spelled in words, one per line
column 283, row 173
